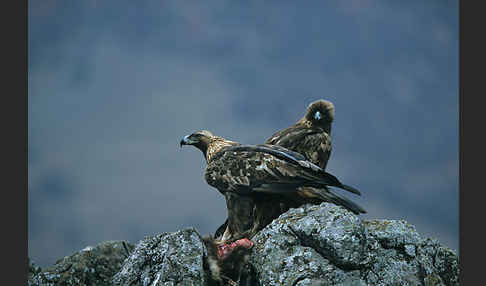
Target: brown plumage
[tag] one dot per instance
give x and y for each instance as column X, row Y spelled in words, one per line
column 247, row 174
column 259, row 183
column 311, row 135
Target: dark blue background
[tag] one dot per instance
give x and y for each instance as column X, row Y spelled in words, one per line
column 114, row 85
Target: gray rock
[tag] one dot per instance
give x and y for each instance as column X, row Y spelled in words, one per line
column 328, row 245
column 90, row 266
column 313, row 245
column 33, row 269
column 165, row 259
column 305, row 245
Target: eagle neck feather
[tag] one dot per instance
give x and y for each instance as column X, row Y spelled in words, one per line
column 307, row 123
column 215, row 146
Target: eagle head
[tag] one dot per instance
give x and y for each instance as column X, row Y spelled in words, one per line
column 205, row 141
column 320, row 112
column 198, row 139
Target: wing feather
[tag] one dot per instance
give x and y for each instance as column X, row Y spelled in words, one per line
column 295, row 133
column 265, row 168
column 327, row 195
column 312, row 142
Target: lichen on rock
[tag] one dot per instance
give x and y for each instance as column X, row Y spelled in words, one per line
column 165, row 259
column 90, row 266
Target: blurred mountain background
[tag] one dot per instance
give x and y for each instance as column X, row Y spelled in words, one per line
column 114, row 85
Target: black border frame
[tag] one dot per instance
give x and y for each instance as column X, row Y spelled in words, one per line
column 14, row 119
column 471, row 146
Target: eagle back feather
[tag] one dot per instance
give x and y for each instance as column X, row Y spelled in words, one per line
column 312, row 142
column 248, row 168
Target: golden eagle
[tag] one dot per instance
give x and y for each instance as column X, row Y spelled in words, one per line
column 311, row 137
column 249, row 174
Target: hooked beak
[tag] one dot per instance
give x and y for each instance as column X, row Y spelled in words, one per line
column 186, row 141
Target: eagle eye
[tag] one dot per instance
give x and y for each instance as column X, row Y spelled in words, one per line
column 317, row 115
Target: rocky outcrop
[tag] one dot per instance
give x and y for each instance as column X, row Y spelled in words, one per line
column 327, row 245
column 312, row 245
column 165, row 259
column 90, row 266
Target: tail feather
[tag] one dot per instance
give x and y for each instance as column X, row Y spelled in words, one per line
column 350, row 189
column 328, row 195
column 331, row 180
